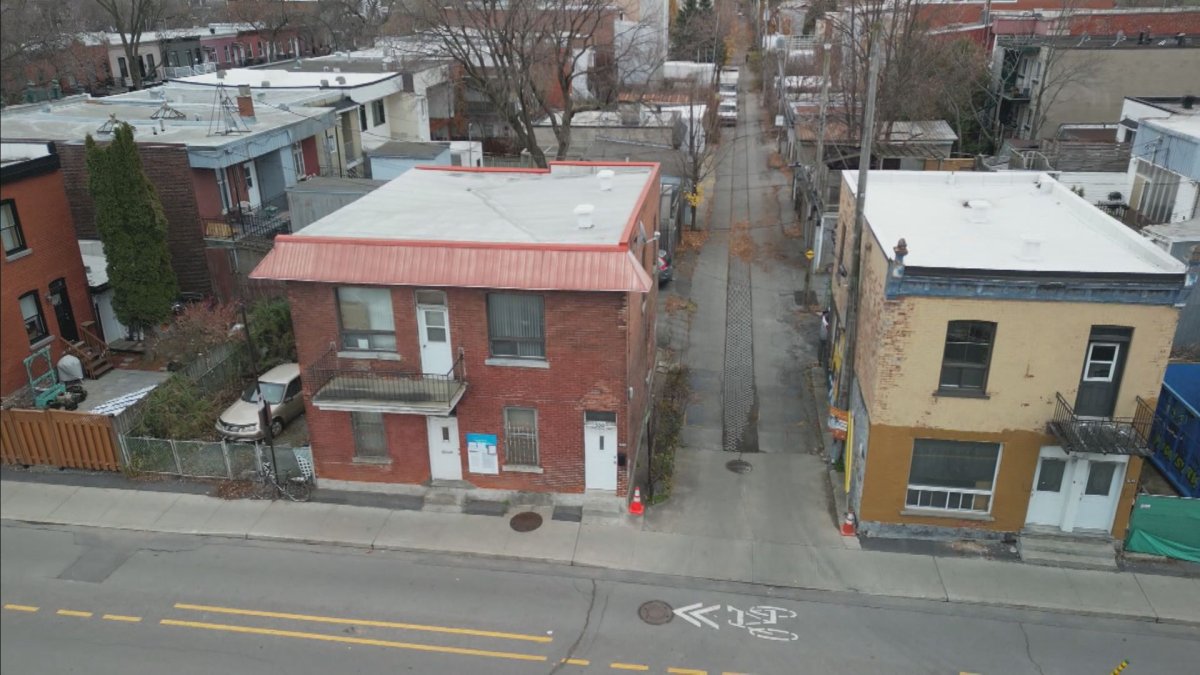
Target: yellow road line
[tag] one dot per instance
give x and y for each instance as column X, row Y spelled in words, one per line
column 72, row 612
column 628, row 666
column 353, row 640
column 576, row 662
column 364, row 622
column 686, row 671
column 122, row 617
column 21, row 608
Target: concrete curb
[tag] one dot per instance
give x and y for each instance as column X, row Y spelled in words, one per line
column 308, row 541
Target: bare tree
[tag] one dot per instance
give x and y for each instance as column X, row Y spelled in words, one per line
column 356, row 23
column 131, row 19
column 696, row 157
column 532, row 59
column 1060, row 69
column 268, row 17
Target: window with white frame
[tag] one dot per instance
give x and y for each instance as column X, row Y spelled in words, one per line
column 378, row 114
column 370, row 437
column 516, row 326
column 520, row 436
column 1101, row 365
column 952, row 475
column 298, row 159
column 35, row 321
column 365, row 315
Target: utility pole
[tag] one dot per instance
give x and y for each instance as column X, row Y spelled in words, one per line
column 846, row 375
column 811, row 229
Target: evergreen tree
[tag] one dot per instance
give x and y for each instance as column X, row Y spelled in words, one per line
column 133, row 228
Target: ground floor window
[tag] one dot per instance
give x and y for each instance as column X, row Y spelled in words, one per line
column 520, row 436
column 952, row 475
column 370, row 439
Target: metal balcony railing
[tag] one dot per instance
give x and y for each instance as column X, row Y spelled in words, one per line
column 1107, row 435
column 336, row 379
column 265, row 222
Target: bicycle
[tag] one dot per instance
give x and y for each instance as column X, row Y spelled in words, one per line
column 296, row 486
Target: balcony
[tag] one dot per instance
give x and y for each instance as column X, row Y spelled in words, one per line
column 1105, row 436
column 1015, row 93
column 369, row 385
column 240, row 223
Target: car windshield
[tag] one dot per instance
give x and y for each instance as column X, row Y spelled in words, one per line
column 271, row 391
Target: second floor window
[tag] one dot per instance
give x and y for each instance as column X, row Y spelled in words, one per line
column 377, row 112
column 516, row 326
column 967, row 355
column 365, row 316
column 10, row 228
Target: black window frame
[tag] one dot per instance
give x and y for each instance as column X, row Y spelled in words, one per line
column 378, row 112
column 40, row 317
column 370, row 333
column 957, row 386
column 19, row 233
column 515, row 340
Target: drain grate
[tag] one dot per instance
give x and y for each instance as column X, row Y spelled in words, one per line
column 656, row 612
column 738, row 466
column 526, row 521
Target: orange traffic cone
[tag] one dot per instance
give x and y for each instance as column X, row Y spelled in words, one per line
column 636, row 508
column 849, row 527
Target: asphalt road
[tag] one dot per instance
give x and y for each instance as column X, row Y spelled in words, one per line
column 98, row 601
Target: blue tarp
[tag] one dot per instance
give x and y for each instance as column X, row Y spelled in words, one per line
column 1175, row 433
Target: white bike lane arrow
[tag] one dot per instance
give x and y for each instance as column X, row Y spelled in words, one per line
column 694, row 614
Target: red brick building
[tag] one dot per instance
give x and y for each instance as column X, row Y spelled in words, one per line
column 43, row 288
column 489, row 326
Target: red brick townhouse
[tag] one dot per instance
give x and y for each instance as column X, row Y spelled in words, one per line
column 493, row 326
column 43, row 289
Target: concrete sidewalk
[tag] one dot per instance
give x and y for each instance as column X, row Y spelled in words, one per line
column 616, row 546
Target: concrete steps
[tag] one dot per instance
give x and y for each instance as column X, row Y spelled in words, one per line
column 1073, row 552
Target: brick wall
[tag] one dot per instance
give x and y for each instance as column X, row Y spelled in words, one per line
column 169, row 171
column 586, row 348
column 53, row 253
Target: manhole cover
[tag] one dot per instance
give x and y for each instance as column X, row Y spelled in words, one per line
column 526, row 521
column 655, row 612
column 738, row 466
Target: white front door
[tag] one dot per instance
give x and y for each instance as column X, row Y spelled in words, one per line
column 600, row 451
column 433, row 322
column 445, row 457
column 252, row 194
column 1101, row 488
column 1051, row 484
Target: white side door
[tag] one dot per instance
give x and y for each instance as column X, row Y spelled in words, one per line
column 600, row 451
column 1051, row 484
column 433, row 322
column 1098, row 498
column 445, row 455
column 252, row 194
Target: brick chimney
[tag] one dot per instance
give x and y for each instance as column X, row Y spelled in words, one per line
column 245, row 103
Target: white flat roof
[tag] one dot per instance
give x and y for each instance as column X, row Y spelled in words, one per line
column 491, row 207
column 22, row 152
column 278, row 77
column 1011, row 224
column 1183, row 125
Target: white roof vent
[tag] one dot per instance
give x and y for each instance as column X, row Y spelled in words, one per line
column 1031, row 249
column 606, row 179
column 583, row 216
column 977, row 210
column 1045, row 183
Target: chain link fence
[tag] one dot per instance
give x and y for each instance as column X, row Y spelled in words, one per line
column 208, row 459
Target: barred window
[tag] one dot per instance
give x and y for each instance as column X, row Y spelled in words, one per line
column 520, row 436
column 370, row 439
column 516, row 326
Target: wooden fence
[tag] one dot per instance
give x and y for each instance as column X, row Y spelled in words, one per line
column 59, row 438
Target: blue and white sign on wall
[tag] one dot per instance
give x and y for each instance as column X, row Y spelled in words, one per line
column 481, row 454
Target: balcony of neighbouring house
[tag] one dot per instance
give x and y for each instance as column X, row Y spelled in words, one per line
column 350, row 383
column 242, row 222
column 1103, row 435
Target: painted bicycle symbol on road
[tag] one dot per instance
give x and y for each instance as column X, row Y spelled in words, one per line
column 761, row 621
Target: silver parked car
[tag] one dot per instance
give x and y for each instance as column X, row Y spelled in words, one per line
column 281, row 388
